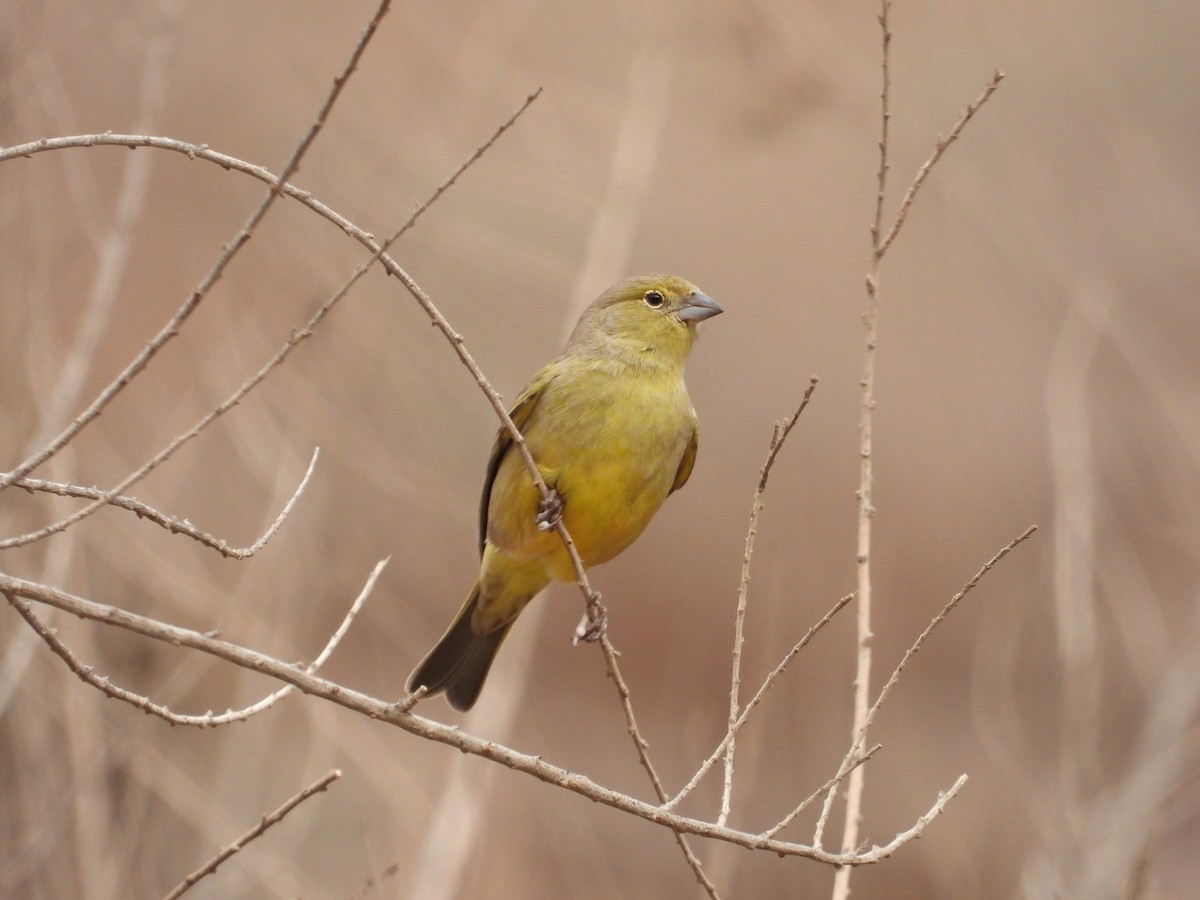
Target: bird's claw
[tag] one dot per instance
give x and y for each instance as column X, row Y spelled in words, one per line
column 550, row 511
column 593, row 625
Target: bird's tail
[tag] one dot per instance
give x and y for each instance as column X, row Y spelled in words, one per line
column 460, row 661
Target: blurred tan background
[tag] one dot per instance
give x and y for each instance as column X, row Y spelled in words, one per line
column 1036, row 365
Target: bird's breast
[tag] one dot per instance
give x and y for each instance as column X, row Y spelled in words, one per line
column 611, row 446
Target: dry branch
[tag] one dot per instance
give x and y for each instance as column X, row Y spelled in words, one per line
column 778, row 436
column 879, row 246
column 267, row 821
column 171, row 523
column 392, row 714
column 171, row 328
column 207, row 720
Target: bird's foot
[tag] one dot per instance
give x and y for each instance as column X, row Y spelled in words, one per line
column 593, row 625
column 550, row 511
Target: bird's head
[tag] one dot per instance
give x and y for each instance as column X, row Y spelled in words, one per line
column 652, row 315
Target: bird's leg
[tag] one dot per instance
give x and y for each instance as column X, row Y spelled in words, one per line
column 550, row 510
column 594, row 624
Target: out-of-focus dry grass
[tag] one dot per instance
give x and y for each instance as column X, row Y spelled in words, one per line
column 1036, row 365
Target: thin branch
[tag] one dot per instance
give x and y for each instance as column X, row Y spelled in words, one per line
column 595, row 611
column 778, row 436
column 869, row 718
column 267, row 821
column 463, row 166
column 453, row 736
column 172, row 524
column 614, row 672
column 879, row 246
column 207, row 720
column 936, row 621
column 766, row 686
column 919, row 826
column 885, row 119
column 378, row 253
column 784, row 430
column 230, row 250
column 862, row 667
column 927, row 166
column 823, row 789
column 113, row 241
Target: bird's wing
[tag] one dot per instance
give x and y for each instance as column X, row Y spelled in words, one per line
column 684, row 472
column 520, row 414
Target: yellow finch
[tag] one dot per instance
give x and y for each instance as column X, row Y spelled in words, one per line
column 613, row 432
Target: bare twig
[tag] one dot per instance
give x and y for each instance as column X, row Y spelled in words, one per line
column 595, row 611
column 936, row 810
column 879, row 246
column 643, row 752
column 463, row 166
column 230, row 250
column 869, row 718
column 823, row 789
column 172, row 524
column 209, row 719
column 731, row 733
column 267, row 821
column 937, row 620
column 113, row 242
column 453, row 736
column 862, row 669
column 378, row 253
column 778, row 436
column 927, row 166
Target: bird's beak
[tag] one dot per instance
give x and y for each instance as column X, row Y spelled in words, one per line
column 697, row 307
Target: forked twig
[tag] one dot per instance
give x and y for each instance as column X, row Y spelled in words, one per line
column 267, row 821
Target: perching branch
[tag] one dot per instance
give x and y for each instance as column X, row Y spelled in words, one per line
column 393, row 714
column 378, row 253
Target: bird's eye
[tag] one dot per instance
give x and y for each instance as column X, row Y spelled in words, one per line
column 654, row 299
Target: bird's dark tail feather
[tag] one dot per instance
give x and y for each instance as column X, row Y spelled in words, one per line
column 460, row 661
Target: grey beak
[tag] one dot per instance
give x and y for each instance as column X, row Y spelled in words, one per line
column 697, row 307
